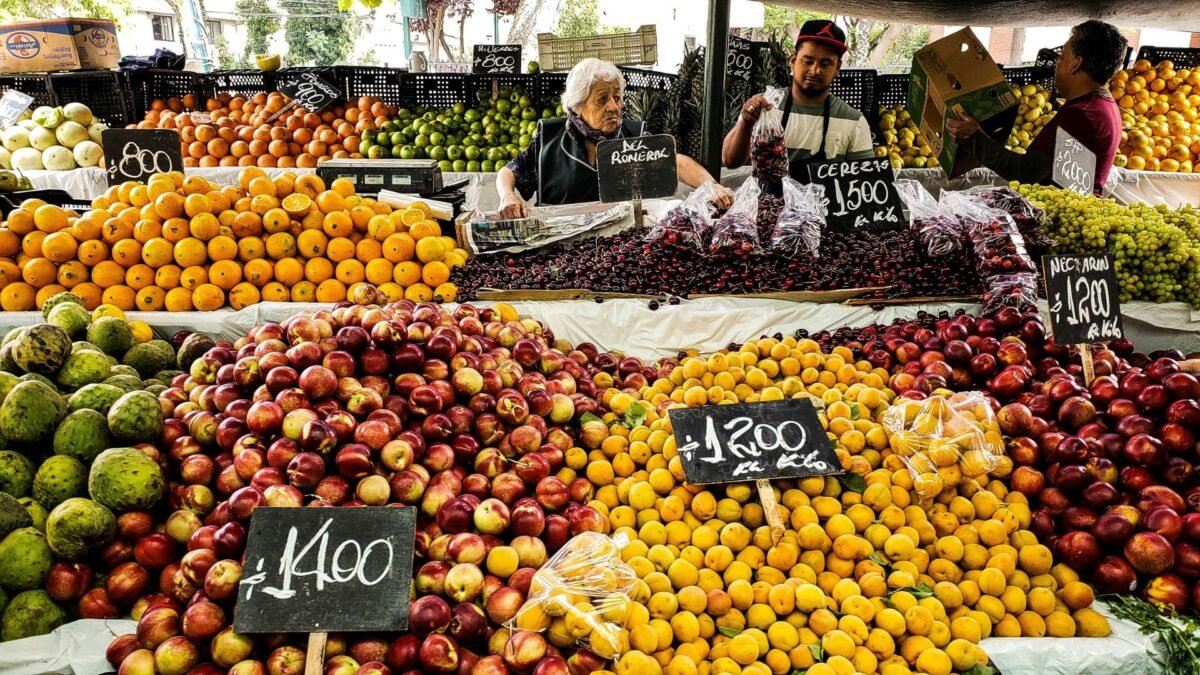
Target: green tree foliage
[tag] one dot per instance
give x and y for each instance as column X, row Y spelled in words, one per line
column 318, row 33
column 17, row 10
column 869, row 43
column 261, row 24
column 579, row 18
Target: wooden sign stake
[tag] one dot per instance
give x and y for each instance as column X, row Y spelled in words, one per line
column 1089, row 370
column 637, row 212
column 291, row 104
column 314, row 656
column 766, row 495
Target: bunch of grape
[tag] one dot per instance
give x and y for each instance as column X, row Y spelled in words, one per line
column 1155, row 249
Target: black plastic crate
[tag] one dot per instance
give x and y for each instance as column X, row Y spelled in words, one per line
column 12, row 200
column 33, row 84
column 857, row 88
column 356, row 81
column 891, row 90
column 490, row 84
column 145, row 86
column 637, row 78
column 244, row 83
column 1023, row 75
column 1182, row 57
column 103, row 91
column 433, row 90
column 550, row 85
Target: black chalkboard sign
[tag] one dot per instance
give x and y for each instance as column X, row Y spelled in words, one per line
column 496, row 60
column 320, row 570
column 12, row 104
column 1082, row 293
column 860, row 194
column 739, row 60
column 636, row 168
column 1074, row 165
column 309, row 91
column 749, row 441
column 138, row 154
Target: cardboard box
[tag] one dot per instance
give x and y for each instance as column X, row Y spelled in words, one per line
column 956, row 73
column 58, row 44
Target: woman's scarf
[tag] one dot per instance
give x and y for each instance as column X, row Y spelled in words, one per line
column 587, row 132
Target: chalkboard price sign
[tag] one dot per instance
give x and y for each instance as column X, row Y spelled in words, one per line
column 860, row 194
column 137, row 154
column 323, row 570
column 1082, row 293
column 496, row 60
column 1074, row 164
column 636, row 168
column 309, row 91
column 739, row 61
column 12, row 105
column 750, row 441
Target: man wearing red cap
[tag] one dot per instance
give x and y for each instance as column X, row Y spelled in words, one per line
column 818, row 126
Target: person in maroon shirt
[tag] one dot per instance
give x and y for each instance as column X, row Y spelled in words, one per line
column 1091, row 56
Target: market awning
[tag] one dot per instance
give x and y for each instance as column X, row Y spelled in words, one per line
column 1174, row 14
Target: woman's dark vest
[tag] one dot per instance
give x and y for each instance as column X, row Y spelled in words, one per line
column 564, row 174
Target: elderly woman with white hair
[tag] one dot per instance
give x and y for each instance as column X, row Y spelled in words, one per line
column 560, row 162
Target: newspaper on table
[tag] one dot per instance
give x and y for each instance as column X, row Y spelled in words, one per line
column 545, row 225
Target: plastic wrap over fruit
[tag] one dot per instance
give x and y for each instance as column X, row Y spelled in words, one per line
column 1030, row 220
column 995, row 239
column 688, row 223
column 1010, row 290
column 801, row 220
column 737, row 230
column 768, row 153
column 940, row 232
column 944, row 441
column 584, row 590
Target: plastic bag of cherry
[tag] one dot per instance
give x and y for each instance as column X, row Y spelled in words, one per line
column 995, row 239
column 1030, row 220
column 737, row 230
column 768, row 154
column 940, row 232
column 801, row 219
column 1010, row 290
column 689, row 223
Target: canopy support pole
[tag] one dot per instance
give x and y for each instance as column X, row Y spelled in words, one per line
column 714, row 90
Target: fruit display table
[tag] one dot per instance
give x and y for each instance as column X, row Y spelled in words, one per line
column 707, row 324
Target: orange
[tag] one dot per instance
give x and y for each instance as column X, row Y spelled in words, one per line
column 20, row 221
column 350, row 271
column 176, row 229
column 208, row 297
column 39, row 272
column 310, row 185
column 361, row 215
column 313, row 220
column 411, row 216
column 146, row 229
column 157, row 252
column 139, row 276
column 92, row 252
column 260, row 204
column 9, row 272
column 107, row 273
column 46, row 293
column 190, row 251
column 407, row 273
column 159, row 186
column 399, row 247
column 248, row 174
column 195, row 204
column 243, row 295
column 331, row 290
column 59, row 247
column 169, row 205
column 339, row 249
column 276, row 220
column 311, row 243
column 127, row 252
column 167, row 276
column 87, row 228
column 275, row 292
column 72, row 273
column 289, row 271
column 247, row 224
column 225, row 274
column 317, row 270
column 392, row 291
column 138, row 196
column 304, row 291
column 222, row 248
column 435, row 273
column 330, row 201
column 120, row 296
column 205, row 226
column 424, row 229
column 258, row 272
column 380, row 228
column 422, row 207
column 251, row 248
column 342, row 186
column 150, row 299
column 368, row 249
column 284, row 185
column 445, row 293
column 10, row 243
column 89, row 293
column 179, row 300
column 430, row 249
column 378, row 271
column 31, row 244
column 297, row 204
column 18, row 297
column 338, row 224
column 418, row 293
column 281, row 245
column 50, row 218
column 192, row 277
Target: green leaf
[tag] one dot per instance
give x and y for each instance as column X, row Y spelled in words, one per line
column 729, row 632
column 878, row 559
column 855, row 411
column 799, row 672
column 852, row 482
column 589, row 417
column 980, row 669
column 817, row 651
column 920, row 592
column 635, row 415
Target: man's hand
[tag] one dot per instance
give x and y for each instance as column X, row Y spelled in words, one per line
column 722, row 196
column 963, row 128
column 512, row 207
column 754, row 107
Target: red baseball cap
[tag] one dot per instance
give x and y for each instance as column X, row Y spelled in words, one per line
column 822, row 30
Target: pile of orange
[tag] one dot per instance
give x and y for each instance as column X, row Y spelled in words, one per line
column 237, row 131
column 182, row 244
column 1159, row 109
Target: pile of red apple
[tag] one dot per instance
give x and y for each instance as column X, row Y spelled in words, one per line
column 1109, row 468
column 407, row 404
